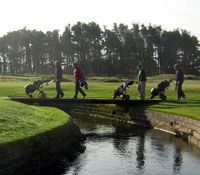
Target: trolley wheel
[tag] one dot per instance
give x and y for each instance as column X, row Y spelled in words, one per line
column 86, row 86
column 42, row 94
column 126, row 97
column 114, row 97
column 163, row 97
column 152, row 97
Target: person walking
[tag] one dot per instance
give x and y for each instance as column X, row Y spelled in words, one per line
column 58, row 79
column 77, row 76
column 141, row 82
column 179, row 82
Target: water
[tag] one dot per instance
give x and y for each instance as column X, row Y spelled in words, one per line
column 118, row 149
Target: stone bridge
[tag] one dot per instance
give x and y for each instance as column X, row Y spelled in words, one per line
column 51, row 101
column 133, row 111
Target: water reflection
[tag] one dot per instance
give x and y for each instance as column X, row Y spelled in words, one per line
column 140, row 150
column 178, row 160
column 115, row 149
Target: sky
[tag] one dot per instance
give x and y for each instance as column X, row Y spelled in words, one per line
column 48, row 15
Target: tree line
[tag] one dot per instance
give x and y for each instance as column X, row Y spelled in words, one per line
column 99, row 51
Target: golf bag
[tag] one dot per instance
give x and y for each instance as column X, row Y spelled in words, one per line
column 160, row 90
column 121, row 91
column 83, row 82
column 37, row 86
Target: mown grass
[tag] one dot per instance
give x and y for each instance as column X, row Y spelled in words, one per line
column 20, row 121
column 101, row 87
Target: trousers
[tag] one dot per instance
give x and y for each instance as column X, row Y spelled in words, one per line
column 141, row 89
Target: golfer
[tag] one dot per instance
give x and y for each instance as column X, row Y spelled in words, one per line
column 141, row 82
column 58, row 79
column 179, row 82
column 77, row 76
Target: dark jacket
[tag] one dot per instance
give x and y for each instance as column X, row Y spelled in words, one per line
column 179, row 75
column 58, row 73
column 141, row 75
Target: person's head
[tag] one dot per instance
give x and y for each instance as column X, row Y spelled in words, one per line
column 139, row 66
column 75, row 65
column 57, row 63
column 176, row 66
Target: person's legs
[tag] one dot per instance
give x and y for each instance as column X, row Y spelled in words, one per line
column 180, row 91
column 78, row 89
column 139, row 88
column 143, row 85
column 82, row 92
column 59, row 90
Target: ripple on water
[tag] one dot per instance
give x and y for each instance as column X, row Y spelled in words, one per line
column 120, row 150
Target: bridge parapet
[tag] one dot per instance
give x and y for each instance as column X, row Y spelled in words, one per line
column 50, row 101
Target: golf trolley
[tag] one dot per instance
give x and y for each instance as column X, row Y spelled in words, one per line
column 160, row 90
column 121, row 91
column 37, row 86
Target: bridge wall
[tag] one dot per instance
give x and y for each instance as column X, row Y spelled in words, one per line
column 187, row 128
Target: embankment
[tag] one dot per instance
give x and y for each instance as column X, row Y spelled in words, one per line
column 34, row 137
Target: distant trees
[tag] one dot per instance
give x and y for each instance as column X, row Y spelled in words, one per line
column 99, row 51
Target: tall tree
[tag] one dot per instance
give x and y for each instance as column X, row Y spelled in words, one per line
column 93, row 43
column 67, row 47
column 100, row 52
column 3, row 55
column 37, row 47
column 170, row 47
column 111, row 45
column 188, row 51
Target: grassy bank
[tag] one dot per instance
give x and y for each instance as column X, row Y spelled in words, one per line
column 102, row 87
column 20, row 121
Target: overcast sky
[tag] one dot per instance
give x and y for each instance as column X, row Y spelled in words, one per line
column 56, row 14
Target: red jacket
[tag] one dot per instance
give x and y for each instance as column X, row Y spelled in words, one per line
column 77, row 73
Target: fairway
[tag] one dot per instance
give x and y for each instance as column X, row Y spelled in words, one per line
column 98, row 88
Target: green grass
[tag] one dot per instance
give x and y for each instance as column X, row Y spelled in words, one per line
column 189, row 108
column 101, row 87
column 20, row 121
